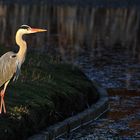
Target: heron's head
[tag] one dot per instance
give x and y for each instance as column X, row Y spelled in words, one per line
column 25, row 29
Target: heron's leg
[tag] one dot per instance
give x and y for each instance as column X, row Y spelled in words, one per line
column 1, row 104
column 2, row 98
column 2, row 101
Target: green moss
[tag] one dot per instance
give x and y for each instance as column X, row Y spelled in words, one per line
column 44, row 94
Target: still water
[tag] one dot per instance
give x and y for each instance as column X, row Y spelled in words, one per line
column 103, row 42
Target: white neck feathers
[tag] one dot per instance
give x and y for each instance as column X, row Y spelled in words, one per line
column 22, row 46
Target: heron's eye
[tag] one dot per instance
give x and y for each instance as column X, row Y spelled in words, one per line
column 13, row 56
column 28, row 29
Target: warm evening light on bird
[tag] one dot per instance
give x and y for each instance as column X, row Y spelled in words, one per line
column 10, row 62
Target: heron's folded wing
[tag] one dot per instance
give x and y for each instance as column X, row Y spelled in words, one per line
column 8, row 67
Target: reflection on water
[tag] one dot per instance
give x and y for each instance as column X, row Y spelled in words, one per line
column 74, row 27
column 121, row 123
column 75, row 31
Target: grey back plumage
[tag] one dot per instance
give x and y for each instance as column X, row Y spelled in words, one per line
column 9, row 67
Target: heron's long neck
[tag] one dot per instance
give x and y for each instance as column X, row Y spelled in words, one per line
column 22, row 47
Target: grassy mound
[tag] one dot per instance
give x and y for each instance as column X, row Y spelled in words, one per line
column 44, row 94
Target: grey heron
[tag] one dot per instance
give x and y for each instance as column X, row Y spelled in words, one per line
column 10, row 62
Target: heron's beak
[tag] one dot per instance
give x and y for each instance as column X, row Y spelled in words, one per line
column 35, row 30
